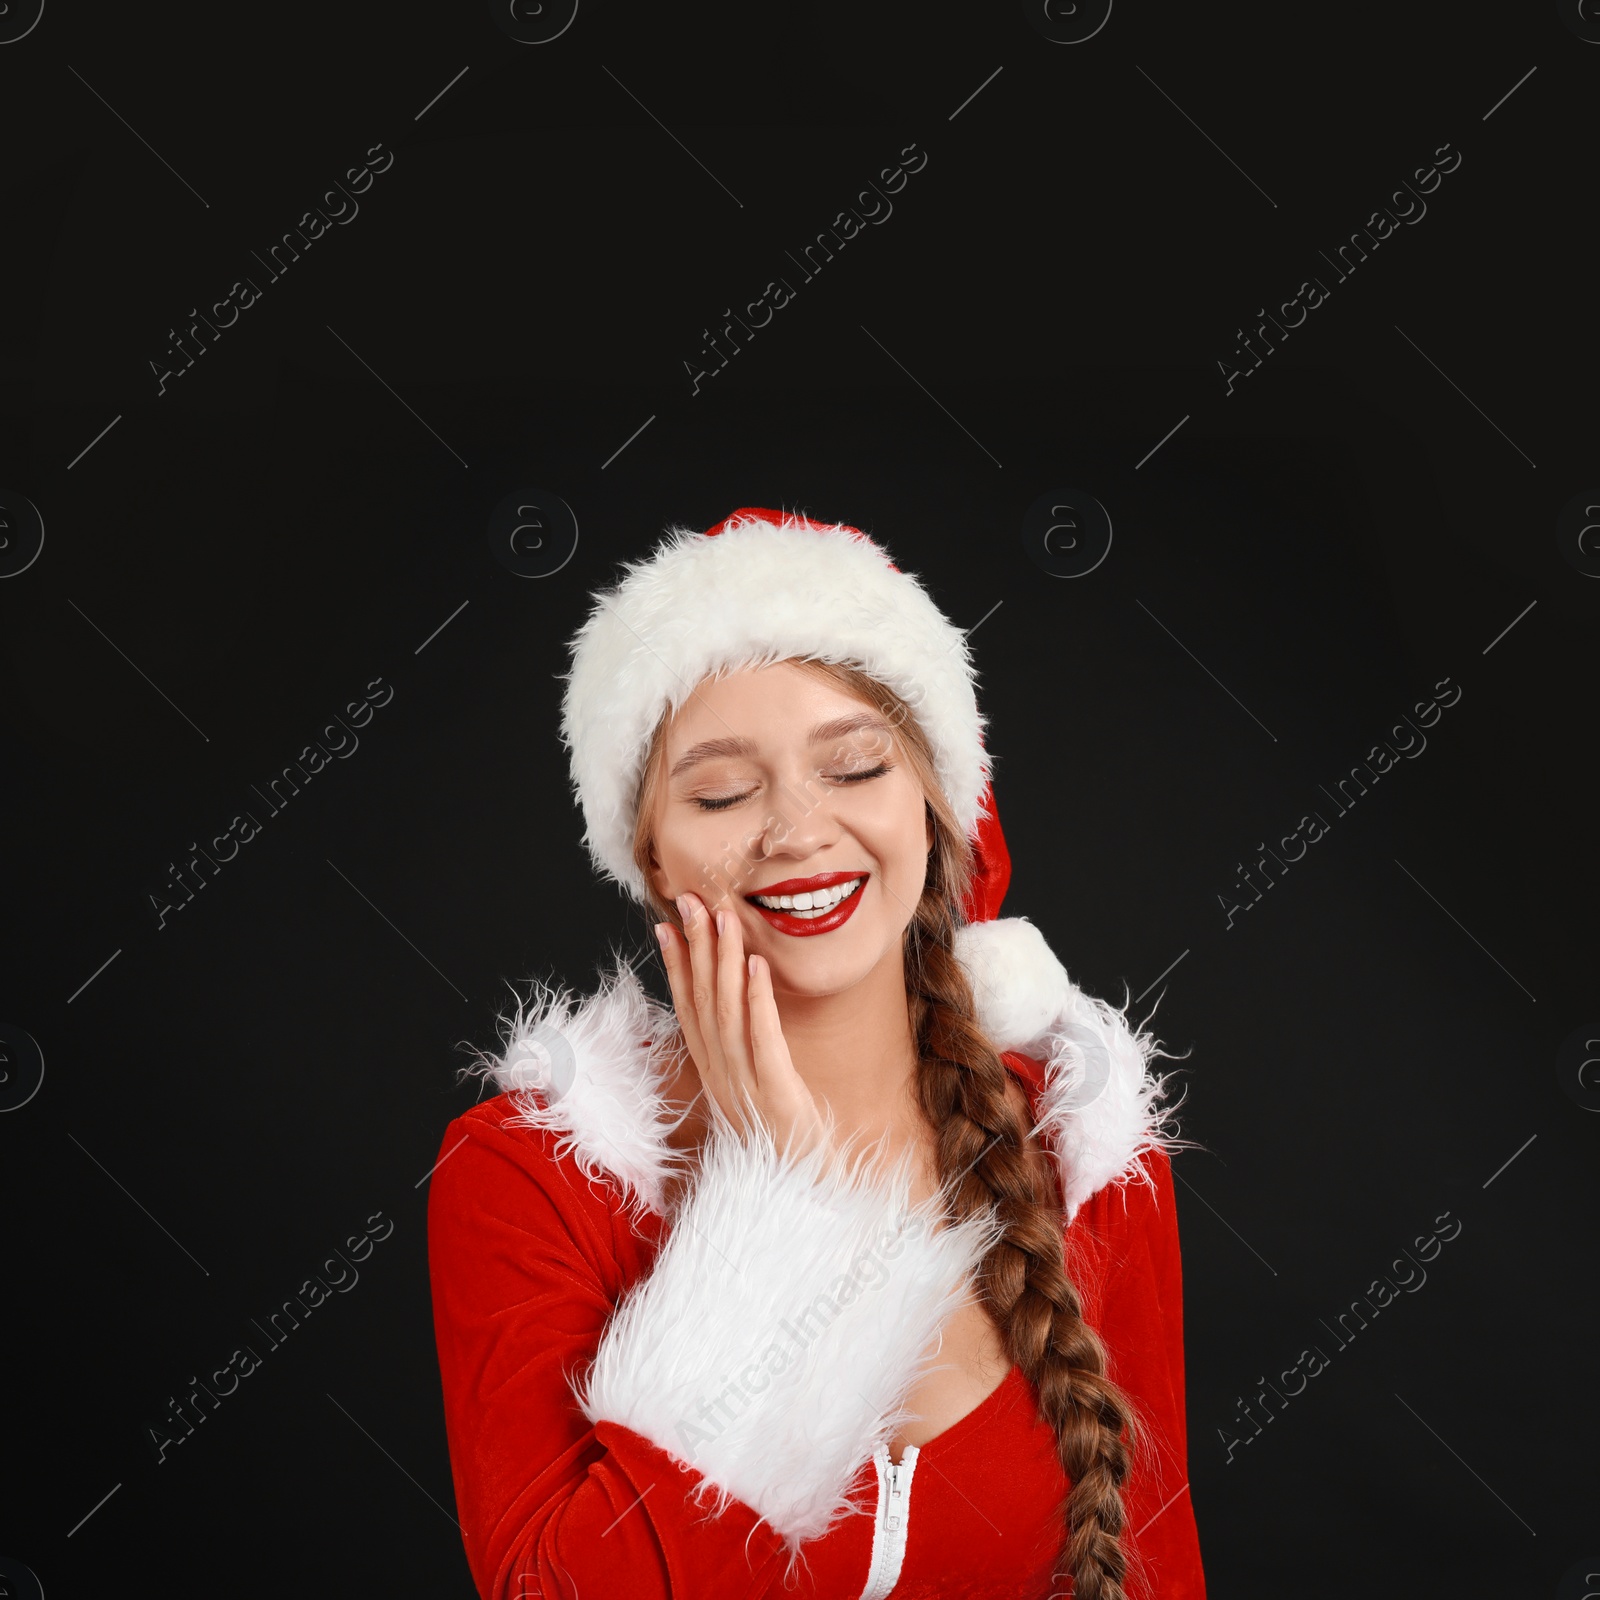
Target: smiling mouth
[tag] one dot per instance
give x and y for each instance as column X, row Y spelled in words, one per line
column 810, row 905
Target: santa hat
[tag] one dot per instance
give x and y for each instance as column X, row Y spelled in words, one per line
column 763, row 586
column 759, row 587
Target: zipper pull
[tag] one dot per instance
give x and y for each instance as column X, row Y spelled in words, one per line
column 891, row 1519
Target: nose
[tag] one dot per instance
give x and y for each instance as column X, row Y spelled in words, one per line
column 800, row 822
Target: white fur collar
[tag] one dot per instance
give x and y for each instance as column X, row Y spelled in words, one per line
column 588, row 1069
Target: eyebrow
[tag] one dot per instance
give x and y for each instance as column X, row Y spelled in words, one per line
column 823, row 733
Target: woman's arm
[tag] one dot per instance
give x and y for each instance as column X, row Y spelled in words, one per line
column 1123, row 1254
column 726, row 1400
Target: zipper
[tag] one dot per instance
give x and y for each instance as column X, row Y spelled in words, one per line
column 891, row 1521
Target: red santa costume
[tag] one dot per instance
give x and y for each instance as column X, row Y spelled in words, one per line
column 695, row 1397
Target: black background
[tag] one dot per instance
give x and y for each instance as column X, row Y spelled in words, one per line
column 1301, row 561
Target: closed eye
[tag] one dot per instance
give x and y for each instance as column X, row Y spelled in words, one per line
column 843, row 777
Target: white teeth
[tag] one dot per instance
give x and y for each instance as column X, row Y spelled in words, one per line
column 806, row 906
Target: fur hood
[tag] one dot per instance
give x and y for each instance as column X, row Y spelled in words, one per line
column 589, row 1069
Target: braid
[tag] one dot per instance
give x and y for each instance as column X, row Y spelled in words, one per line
column 984, row 1158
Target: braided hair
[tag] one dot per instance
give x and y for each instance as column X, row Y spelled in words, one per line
column 987, row 1157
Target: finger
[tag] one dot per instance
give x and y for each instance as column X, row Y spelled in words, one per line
column 769, row 1051
column 675, row 954
column 733, row 1010
column 798, row 1118
column 703, row 985
column 721, row 1105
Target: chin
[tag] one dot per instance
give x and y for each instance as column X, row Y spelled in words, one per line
column 801, row 967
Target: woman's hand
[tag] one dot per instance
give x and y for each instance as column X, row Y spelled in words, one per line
column 730, row 1023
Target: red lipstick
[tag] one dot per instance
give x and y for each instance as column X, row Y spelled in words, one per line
column 805, row 927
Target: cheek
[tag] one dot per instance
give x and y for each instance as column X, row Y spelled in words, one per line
column 706, row 851
column 690, row 847
column 893, row 824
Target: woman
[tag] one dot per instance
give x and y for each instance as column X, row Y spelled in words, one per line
column 855, row 1272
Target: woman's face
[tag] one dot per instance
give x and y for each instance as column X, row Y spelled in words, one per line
column 775, row 777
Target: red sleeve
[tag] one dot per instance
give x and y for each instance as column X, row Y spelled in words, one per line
column 1123, row 1255
column 525, row 1274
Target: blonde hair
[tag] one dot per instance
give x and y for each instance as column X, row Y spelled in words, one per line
column 987, row 1157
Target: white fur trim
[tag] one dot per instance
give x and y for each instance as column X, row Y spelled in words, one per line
column 774, row 1340
column 755, row 593
column 589, row 1071
column 1101, row 1108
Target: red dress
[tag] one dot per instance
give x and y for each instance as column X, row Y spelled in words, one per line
column 531, row 1259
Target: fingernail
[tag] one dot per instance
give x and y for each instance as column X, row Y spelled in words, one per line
column 661, row 934
column 751, row 963
column 721, row 922
column 684, row 910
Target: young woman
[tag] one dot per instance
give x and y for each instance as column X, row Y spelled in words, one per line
column 855, row 1272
